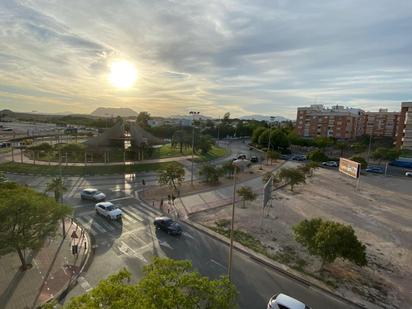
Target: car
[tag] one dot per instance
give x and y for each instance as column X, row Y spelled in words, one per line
column 241, row 157
column 283, row 301
column 254, row 159
column 299, row 157
column 108, row 210
column 284, row 157
column 375, row 169
column 330, row 164
column 168, row 225
column 92, row 194
column 408, row 173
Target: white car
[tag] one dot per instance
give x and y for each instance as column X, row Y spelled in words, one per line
column 92, row 194
column 408, row 173
column 108, row 210
column 330, row 164
column 282, row 301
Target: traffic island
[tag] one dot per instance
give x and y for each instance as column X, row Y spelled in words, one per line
column 54, row 268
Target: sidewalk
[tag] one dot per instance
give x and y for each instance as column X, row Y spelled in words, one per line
column 54, row 267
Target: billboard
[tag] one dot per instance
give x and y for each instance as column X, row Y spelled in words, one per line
column 349, row 167
column 267, row 192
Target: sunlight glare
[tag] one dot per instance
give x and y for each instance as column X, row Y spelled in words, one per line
column 122, row 74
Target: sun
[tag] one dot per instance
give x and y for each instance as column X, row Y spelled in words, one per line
column 122, row 74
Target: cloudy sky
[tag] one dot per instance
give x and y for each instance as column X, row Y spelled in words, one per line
column 242, row 57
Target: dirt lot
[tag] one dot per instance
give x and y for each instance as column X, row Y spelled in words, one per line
column 380, row 212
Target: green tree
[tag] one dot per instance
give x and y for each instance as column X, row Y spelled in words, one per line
column 360, row 160
column 358, row 147
column 57, row 187
column 342, row 146
column 228, row 168
column 256, row 134
column 309, row 167
column 318, row 156
column 278, row 139
column 142, row 119
column 273, row 155
column 292, row 176
column 246, row 194
column 3, row 178
column 330, row 240
column 210, row 173
column 385, row 154
column 203, row 143
column 169, row 284
column 173, row 175
column 26, row 219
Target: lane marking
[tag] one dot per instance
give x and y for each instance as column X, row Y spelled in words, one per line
column 133, row 215
column 188, row 235
column 217, row 263
column 120, row 198
column 165, row 244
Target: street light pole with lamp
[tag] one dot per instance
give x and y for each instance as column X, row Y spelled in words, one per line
column 193, row 142
column 270, row 136
column 237, row 165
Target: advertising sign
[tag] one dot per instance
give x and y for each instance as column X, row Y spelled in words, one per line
column 349, row 167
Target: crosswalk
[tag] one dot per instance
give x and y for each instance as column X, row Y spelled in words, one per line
column 97, row 225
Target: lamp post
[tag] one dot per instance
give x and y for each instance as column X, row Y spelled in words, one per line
column 193, row 142
column 270, row 135
column 237, row 164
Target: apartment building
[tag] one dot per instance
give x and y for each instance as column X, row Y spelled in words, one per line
column 338, row 122
column 404, row 131
column 381, row 124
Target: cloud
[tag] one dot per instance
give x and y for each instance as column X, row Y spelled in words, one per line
column 265, row 57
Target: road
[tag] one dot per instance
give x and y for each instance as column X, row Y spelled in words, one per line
column 133, row 242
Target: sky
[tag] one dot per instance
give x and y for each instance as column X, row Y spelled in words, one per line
column 242, row 57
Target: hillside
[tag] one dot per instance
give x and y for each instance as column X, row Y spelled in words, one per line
column 114, row 112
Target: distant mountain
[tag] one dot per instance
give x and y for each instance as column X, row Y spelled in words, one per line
column 264, row 118
column 197, row 117
column 114, row 112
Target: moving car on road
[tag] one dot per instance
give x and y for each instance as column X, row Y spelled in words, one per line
column 330, row 164
column 254, row 159
column 282, row 301
column 299, row 158
column 375, row 169
column 108, row 210
column 408, row 173
column 168, row 225
column 92, row 194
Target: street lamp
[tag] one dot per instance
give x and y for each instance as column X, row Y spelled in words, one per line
column 270, row 135
column 193, row 141
column 237, row 164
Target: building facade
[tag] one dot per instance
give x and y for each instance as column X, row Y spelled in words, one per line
column 381, row 124
column 338, row 122
column 404, row 131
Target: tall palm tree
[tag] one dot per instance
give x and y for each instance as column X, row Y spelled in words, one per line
column 57, row 187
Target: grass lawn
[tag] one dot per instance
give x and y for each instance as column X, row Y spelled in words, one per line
column 13, row 167
column 166, row 151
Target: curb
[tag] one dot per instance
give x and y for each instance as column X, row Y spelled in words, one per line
column 285, row 270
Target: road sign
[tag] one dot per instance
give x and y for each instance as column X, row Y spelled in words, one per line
column 349, row 167
column 74, row 235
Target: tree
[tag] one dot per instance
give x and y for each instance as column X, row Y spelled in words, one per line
column 360, row 160
column 342, row 146
column 211, row 173
column 318, row 156
column 3, row 178
column 292, row 176
column 309, row 167
column 278, row 139
column 273, row 155
column 172, row 175
column 226, row 117
column 26, row 219
column 167, row 283
column 228, row 168
column 142, row 119
column 57, row 187
column 203, row 143
column 386, row 154
column 246, row 194
column 330, row 240
column 256, row 134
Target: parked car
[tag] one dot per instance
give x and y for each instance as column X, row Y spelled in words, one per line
column 299, row 157
column 408, row 173
column 330, row 164
column 241, row 157
column 168, row 225
column 375, row 169
column 284, row 157
column 92, row 194
column 282, row 301
column 254, row 159
column 108, row 210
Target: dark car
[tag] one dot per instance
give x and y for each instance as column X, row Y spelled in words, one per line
column 299, row 158
column 168, row 225
column 254, row 159
column 375, row 169
column 284, row 157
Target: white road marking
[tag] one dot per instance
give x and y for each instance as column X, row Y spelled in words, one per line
column 93, row 223
column 217, row 263
column 188, row 235
column 165, row 244
column 84, row 284
column 87, row 225
column 120, row 198
column 133, row 215
column 125, row 249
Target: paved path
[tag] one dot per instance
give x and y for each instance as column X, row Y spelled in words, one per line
column 54, row 266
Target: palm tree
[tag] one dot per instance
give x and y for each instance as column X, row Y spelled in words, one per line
column 57, row 187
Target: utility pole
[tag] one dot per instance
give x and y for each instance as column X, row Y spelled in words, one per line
column 193, row 142
column 270, row 135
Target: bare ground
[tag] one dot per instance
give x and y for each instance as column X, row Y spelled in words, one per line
column 380, row 212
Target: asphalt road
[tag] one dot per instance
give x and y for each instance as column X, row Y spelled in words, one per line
column 133, row 242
